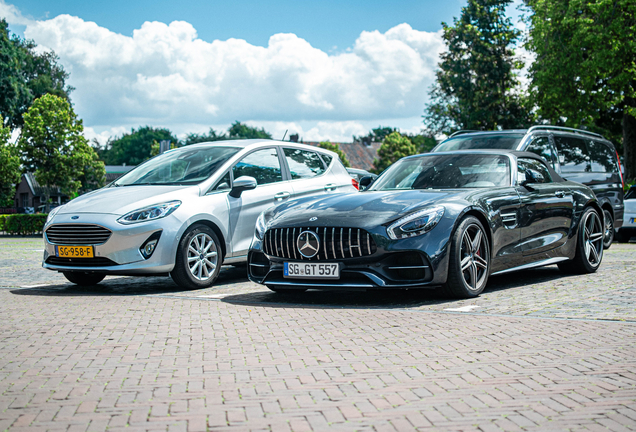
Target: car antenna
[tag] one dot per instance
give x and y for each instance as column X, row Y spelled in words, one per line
column 285, row 135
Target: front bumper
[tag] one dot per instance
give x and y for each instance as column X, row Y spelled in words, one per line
column 388, row 269
column 120, row 254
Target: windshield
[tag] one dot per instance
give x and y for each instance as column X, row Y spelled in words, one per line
column 486, row 141
column 184, row 166
column 445, row 172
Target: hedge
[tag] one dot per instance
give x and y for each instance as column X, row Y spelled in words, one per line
column 22, row 224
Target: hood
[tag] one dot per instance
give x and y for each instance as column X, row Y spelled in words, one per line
column 121, row 200
column 362, row 209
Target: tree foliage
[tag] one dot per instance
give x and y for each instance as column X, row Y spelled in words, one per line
column 477, row 86
column 135, row 147
column 376, row 135
column 585, row 71
column 336, row 149
column 26, row 75
column 53, row 148
column 395, row 146
column 423, row 143
column 239, row 130
column 9, row 167
column 212, row 135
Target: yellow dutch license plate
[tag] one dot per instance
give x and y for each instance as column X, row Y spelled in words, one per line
column 74, row 251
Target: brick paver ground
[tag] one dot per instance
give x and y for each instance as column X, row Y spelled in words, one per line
column 537, row 351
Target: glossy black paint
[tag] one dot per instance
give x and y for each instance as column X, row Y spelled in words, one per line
column 526, row 225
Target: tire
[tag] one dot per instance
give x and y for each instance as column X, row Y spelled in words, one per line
column 84, row 279
column 589, row 245
column 623, row 235
column 199, row 258
column 469, row 261
column 609, row 232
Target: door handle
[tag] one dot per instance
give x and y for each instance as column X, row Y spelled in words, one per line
column 560, row 194
column 331, row 186
column 281, row 196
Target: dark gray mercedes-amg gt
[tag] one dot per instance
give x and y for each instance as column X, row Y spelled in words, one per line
column 434, row 220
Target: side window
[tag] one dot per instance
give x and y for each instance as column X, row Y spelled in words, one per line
column 602, row 158
column 542, row 147
column 263, row 165
column 573, row 154
column 303, row 163
column 326, row 158
column 523, row 164
column 223, row 183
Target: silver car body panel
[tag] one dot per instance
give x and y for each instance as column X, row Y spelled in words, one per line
column 234, row 218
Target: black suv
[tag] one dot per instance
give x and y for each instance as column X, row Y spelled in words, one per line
column 577, row 155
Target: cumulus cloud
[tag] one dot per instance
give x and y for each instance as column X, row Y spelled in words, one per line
column 165, row 75
column 13, row 15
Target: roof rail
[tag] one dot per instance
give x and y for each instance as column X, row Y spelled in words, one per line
column 464, row 131
column 566, row 129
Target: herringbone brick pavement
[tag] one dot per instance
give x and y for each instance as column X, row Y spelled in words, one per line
column 77, row 361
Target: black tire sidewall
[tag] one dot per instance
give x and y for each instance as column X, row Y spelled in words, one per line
column 608, row 242
column 181, row 273
column 581, row 256
column 455, row 284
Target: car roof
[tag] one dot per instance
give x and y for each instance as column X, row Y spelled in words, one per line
column 246, row 143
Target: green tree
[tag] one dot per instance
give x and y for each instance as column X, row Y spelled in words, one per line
column 423, row 143
column 477, row 86
column 212, row 135
column 26, row 75
column 135, row 147
column 336, row 149
column 394, row 147
column 239, row 130
column 9, row 167
column 53, row 148
column 585, row 70
column 376, row 135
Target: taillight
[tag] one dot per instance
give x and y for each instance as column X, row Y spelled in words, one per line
column 355, row 183
column 620, row 170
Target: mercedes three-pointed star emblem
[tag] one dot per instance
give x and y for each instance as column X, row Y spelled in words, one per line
column 308, row 244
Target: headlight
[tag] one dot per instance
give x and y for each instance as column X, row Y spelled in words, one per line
column 260, row 226
column 416, row 223
column 53, row 213
column 149, row 213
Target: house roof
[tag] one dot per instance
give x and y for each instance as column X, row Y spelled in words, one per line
column 359, row 154
column 38, row 190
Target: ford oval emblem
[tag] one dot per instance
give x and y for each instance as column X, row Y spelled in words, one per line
column 313, row 219
column 74, row 217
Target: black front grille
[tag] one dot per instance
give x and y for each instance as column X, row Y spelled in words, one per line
column 81, row 262
column 336, row 243
column 77, row 234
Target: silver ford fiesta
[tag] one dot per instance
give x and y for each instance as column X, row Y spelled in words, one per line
column 186, row 211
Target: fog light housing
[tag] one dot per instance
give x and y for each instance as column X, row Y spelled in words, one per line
column 150, row 245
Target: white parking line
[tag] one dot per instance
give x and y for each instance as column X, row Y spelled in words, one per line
column 214, row 295
column 34, row 286
column 462, row 309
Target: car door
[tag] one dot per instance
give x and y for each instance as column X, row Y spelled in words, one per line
column 546, row 209
column 309, row 173
column 265, row 166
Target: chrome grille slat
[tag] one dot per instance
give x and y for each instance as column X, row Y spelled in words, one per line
column 77, row 234
column 335, row 243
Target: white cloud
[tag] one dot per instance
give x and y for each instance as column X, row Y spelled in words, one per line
column 13, row 15
column 164, row 75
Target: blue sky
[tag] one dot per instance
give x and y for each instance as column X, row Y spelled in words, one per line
column 326, row 70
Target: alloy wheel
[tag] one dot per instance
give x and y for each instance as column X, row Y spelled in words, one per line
column 202, row 256
column 593, row 238
column 609, row 229
column 474, row 264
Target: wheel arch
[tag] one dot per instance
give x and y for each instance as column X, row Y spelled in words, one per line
column 481, row 217
column 214, row 228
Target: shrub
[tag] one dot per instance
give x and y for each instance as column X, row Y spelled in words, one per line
column 23, row 224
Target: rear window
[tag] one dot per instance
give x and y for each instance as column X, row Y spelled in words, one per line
column 475, row 142
column 579, row 155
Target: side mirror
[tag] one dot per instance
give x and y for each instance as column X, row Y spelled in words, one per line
column 365, row 182
column 241, row 184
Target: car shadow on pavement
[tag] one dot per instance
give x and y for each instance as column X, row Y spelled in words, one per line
column 130, row 286
column 389, row 298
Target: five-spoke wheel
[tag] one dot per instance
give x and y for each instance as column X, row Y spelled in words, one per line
column 609, row 229
column 199, row 258
column 469, row 261
column 589, row 247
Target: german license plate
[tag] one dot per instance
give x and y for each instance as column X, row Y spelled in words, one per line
column 74, row 251
column 311, row 270
column 631, row 221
